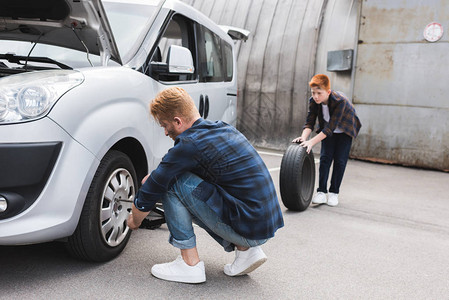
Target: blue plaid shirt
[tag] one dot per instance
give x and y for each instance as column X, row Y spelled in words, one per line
column 237, row 184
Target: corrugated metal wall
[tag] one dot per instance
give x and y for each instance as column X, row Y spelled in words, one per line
column 339, row 32
column 274, row 64
column 397, row 83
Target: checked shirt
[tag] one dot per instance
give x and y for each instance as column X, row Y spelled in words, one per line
column 237, row 185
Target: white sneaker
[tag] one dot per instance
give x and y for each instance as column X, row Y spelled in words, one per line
column 245, row 261
column 319, row 198
column 179, row 271
column 333, row 199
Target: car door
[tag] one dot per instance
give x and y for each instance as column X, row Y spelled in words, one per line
column 216, row 68
column 178, row 30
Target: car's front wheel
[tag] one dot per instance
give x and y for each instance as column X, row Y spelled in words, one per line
column 102, row 232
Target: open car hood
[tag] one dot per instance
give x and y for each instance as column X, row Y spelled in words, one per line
column 74, row 24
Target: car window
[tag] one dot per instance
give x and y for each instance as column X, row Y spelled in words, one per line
column 213, row 70
column 229, row 61
column 179, row 31
column 215, row 57
column 172, row 36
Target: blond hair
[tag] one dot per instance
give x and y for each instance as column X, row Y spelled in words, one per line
column 173, row 102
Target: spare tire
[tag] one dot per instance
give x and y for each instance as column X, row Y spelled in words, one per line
column 297, row 177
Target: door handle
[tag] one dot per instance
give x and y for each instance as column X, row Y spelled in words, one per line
column 201, row 108
column 206, row 107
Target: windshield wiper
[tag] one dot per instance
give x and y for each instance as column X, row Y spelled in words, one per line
column 17, row 59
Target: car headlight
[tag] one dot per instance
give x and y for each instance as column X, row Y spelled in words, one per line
column 30, row 96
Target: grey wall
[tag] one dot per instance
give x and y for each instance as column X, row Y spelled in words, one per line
column 274, row 64
column 339, row 32
column 398, row 82
column 401, row 84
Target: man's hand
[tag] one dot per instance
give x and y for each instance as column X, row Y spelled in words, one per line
column 145, row 178
column 136, row 218
column 131, row 224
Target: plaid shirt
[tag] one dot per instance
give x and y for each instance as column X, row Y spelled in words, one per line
column 237, row 184
column 342, row 115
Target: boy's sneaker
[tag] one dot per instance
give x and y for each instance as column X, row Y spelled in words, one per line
column 319, row 198
column 245, row 261
column 179, row 271
column 333, row 199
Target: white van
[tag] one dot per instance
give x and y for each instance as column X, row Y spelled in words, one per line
column 76, row 136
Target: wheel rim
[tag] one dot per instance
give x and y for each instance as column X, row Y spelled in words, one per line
column 116, row 203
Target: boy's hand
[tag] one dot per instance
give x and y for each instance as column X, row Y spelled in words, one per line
column 308, row 145
column 298, row 140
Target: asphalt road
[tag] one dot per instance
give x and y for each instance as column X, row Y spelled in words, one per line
column 387, row 239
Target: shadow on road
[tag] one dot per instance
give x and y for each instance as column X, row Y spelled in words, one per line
column 37, row 264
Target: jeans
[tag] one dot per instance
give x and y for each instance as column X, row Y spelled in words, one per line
column 334, row 148
column 182, row 208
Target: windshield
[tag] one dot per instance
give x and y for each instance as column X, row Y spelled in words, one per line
column 128, row 21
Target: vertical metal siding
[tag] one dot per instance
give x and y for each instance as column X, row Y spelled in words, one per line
column 397, row 83
column 274, row 64
column 339, row 32
column 400, row 85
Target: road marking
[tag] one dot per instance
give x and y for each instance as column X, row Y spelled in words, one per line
column 274, row 169
column 270, row 153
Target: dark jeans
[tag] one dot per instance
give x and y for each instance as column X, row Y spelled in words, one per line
column 334, row 148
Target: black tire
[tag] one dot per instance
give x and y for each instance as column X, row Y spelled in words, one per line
column 102, row 232
column 297, row 177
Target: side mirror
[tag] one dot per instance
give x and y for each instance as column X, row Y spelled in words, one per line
column 236, row 33
column 180, row 60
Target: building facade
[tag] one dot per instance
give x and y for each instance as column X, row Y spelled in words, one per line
column 389, row 57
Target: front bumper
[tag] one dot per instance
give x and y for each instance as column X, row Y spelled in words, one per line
column 47, row 174
column 25, row 170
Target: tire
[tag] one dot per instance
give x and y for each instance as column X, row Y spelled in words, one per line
column 297, row 178
column 102, row 232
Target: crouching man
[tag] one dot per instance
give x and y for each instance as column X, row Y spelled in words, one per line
column 212, row 177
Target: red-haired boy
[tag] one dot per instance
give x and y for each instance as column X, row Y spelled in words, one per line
column 338, row 124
